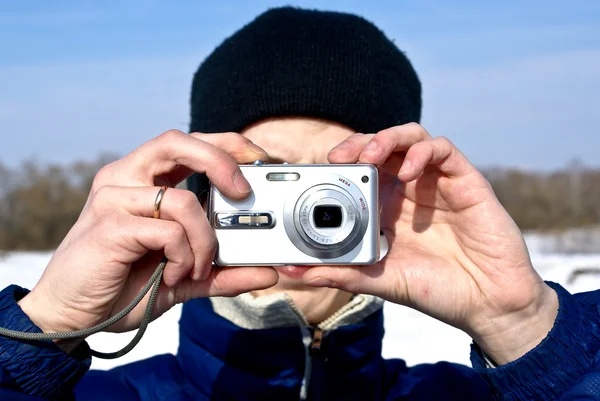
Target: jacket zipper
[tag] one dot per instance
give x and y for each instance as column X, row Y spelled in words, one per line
column 315, row 358
column 315, row 345
column 313, row 342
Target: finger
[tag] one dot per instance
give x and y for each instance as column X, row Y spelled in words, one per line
column 242, row 149
column 177, row 205
column 438, row 151
column 173, row 150
column 237, row 146
column 228, row 281
column 136, row 235
column 174, row 177
column 395, row 139
column 349, row 150
column 353, row 279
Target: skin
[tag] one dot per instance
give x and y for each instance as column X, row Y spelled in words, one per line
column 301, row 141
column 114, row 245
column 455, row 253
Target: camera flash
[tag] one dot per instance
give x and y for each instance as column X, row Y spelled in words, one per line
column 244, row 219
column 252, row 219
column 283, row 177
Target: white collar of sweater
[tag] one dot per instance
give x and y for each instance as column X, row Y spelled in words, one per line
column 278, row 310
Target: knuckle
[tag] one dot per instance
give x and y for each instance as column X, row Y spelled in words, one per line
column 188, row 199
column 99, row 200
column 170, row 135
column 103, row 177
column 414, row 126
column 177, row 233
column 445, row 142
column 103, row 193
column 418, row 130
column 240, row 143
column 234, row 136
column 177, row 199
column 166, row 139
column 182, row 201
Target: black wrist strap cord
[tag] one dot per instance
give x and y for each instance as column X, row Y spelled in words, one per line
column 153, row 283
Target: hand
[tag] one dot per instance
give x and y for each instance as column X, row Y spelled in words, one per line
column 454, row 252
column 116, row 244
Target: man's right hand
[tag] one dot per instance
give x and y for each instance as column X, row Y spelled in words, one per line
column 116, row 244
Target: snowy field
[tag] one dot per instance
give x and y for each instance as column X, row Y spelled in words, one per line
column 409, row 334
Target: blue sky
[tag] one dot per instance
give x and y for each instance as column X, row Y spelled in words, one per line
column 511, row 83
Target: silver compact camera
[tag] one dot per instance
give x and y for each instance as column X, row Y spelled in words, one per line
column 299, row 214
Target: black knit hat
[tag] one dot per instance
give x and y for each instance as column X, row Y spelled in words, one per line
column 295, row 62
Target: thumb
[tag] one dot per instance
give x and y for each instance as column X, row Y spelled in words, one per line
column 228, row 282
column 355, row 279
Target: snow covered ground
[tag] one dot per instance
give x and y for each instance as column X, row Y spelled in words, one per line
column 409, row 334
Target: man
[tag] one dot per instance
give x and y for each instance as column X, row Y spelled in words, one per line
column 302, row 87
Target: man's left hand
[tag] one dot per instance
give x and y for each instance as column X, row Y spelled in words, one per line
column 454, row 251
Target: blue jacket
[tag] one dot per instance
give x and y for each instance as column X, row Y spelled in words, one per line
column 218, row 360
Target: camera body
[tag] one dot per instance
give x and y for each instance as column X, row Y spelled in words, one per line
column 299, row 214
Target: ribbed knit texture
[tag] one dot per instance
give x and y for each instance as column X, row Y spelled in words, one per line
column 296, row 62
column 291, row 61
column 37, row 368
column 569, row 352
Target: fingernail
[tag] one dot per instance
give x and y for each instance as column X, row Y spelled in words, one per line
column 371, row 146
column 406, row 166
column 256, row 149
column 240, row 182
column 321, row 282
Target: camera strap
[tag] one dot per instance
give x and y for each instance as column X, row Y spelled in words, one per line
column 154, row 283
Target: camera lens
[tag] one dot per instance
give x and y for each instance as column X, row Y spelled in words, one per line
column 327, row 216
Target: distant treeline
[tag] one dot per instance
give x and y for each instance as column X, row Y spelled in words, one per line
column 549, row 201
column 40, row 203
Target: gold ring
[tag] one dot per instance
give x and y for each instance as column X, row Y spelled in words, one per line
column 158, row 200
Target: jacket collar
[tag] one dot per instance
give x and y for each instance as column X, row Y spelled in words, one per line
column 218, row 356
column 278, row 310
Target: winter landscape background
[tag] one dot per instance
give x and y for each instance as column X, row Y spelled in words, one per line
column 410, row 335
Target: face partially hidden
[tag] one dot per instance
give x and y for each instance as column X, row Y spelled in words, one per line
column 308, row 141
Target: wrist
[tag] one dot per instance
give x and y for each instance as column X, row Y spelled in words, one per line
column 38, row 313
column 508, row 337
column 36, row 368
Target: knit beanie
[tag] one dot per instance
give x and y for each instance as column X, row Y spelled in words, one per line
column 296, row 62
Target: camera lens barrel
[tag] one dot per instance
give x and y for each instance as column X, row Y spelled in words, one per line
column 327, row 221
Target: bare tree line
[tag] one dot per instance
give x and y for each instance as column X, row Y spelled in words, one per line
column 554, row 200
column 40, row 203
